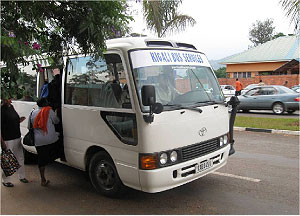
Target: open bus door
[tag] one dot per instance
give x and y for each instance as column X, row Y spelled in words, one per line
column 52, row 77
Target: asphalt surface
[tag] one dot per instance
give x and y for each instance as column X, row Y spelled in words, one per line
column 262, row 177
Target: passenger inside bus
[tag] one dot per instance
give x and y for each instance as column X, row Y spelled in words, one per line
column 54, row 99
column 165, row 90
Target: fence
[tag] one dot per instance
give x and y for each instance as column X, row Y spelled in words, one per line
column 292, row 79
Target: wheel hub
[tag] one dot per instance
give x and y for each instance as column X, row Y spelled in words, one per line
column 278, row 108
column 105, row 175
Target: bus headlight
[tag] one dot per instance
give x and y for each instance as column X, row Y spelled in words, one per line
column 221, row 141
column 163, row 158
column 225, row 140
column 173, row 156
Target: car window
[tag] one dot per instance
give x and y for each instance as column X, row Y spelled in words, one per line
column 253, row 92
column 229, row 87
column 267, row 91
column 284, row 89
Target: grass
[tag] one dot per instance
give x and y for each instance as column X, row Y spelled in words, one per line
column 267, row 123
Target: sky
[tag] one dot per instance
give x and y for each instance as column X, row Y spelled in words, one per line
column 222, row 27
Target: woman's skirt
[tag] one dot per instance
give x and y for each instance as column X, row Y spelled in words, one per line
column 47, row 154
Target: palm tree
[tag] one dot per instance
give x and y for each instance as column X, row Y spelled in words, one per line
column 162, row 16
column 292, row 9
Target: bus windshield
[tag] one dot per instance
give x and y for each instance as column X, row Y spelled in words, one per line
column 180, row 85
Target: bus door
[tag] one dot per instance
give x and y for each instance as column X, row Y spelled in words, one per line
column 50, row 83
column 98, row 112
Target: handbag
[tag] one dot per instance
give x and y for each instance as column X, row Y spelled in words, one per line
column 29, row 137
column 9, row 162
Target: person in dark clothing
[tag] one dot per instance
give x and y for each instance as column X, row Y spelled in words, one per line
column 11, row 138
column 54, row 99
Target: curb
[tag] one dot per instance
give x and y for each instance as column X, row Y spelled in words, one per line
column 297, row 133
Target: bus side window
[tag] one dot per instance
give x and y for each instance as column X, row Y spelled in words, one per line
column 123, row 125
column 96, row 82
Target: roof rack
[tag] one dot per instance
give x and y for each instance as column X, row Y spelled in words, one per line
column 158, row 43
column 185, row 45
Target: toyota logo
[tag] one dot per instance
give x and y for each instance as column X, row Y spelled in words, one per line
column 202, row 131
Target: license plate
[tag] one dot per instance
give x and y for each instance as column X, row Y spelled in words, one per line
column 204, row 166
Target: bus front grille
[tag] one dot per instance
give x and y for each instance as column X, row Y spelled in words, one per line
column 200, row 149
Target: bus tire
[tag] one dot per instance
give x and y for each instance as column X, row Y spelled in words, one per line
column 104, row 176
column 29, row 158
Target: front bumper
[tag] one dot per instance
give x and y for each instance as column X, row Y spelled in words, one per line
column 153, row 181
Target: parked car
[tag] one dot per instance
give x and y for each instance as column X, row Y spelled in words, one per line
column 251, row 86
column 296, row 88
column 270, row 97
column 228, row 90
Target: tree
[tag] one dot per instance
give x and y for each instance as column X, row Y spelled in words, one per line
column 163, row 17
column 261, row 32
column 221, row 72
column 292, row 9
column 137, row 35
column 280, row 34
column 53, row 27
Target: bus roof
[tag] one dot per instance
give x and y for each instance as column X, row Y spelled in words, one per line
column 129, row 43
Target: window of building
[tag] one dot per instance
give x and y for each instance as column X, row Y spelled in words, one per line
column 97, row 82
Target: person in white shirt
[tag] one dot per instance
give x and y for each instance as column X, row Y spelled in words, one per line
column 165, row 90
column 261, row 83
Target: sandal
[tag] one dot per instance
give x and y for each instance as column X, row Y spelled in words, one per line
column 24, row 180
column 44, row 184
column 8, row 184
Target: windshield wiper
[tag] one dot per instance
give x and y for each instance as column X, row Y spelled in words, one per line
column 210, row 102
column 184, row 107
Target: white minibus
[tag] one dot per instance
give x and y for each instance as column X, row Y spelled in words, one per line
column 149, row 115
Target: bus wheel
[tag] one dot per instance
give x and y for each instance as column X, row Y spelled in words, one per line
column 104, row 176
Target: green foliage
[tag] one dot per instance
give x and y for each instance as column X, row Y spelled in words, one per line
column 163, row 16
column 137, row 35
column 280, row 34
column 52, row 27
column 267, row 123
column 292, row 9
column 23, row 86
column 221, row 72
column 261, row 32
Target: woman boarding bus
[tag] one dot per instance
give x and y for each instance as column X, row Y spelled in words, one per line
column 150, row 115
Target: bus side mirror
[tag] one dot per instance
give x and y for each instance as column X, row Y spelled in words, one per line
column 148, row 95
column 149, row 99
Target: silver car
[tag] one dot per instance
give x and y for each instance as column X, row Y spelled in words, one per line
column 270, row 97
column 251, row 86
column 296, row 88
column 228, row 90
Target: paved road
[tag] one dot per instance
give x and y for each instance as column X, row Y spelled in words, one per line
column 261, row 178
column 268, row 114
